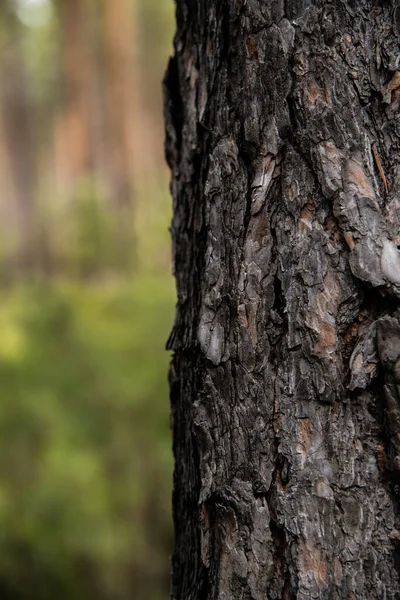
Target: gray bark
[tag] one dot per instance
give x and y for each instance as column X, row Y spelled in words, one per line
column 282, row 135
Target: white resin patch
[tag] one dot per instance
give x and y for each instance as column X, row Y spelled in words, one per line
column 390, row 262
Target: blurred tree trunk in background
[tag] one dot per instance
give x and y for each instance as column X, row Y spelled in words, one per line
column 74, row 135
column 81, row 129
column 121, row 89
column 283, row 141
column 18, row 144
column 97, row 126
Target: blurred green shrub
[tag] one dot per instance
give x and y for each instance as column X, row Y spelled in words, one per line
column 88, row 240
column 85, row 458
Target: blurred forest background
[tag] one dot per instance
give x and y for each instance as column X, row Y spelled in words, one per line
column 86, row 301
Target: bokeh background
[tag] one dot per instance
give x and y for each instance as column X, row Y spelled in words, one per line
column 86, row 300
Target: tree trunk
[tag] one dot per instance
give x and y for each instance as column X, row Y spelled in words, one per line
column 283, row 140
column 122, row 92
column 74, row 128
column 17, row 125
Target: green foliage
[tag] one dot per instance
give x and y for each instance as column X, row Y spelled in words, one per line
column 156, row 34
column 40, row 38
column 85, row 459
column 88, row 238
column 152, row 218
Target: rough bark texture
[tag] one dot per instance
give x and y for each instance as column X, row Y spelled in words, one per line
column 282, row 124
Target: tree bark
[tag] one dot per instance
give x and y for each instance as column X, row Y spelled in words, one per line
column 282, row 135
